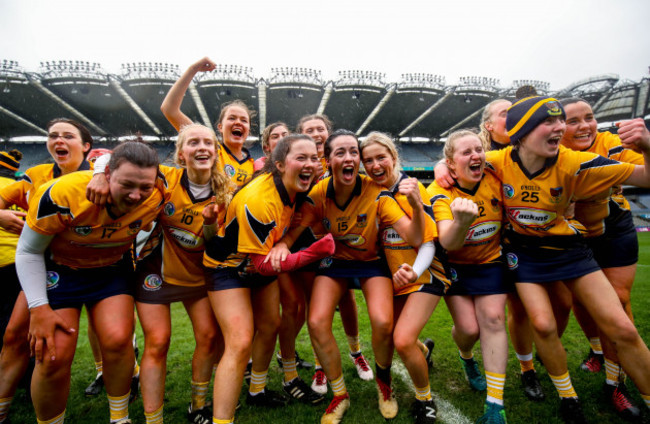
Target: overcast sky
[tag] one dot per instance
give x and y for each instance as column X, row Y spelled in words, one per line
column 555, row 41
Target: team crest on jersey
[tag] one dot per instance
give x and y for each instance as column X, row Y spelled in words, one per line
column 134, row 227
column 453, row 275
column 508, row 191
column 513, row 261
column 325, row 263
column 52, row 280
column 152, row 282
column 556, row 194
column 494, row 202
column 229, row 170
column 169, row 209
column 362, row 220
column 83, row 230
column 327, row 224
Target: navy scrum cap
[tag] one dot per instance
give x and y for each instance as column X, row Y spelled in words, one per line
column 524, row 115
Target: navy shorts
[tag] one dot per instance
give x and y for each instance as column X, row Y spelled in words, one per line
column 151, row 288
column 339, row 268
column 230, row 278
column 72, row 288
column 479, row 279
column 619, row 246
column 544, row 265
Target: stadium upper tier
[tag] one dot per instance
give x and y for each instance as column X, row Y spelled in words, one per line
column 418, row 108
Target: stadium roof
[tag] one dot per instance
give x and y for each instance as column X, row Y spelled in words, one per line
column 420, row 107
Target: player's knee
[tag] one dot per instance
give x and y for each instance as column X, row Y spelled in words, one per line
column 544, row 326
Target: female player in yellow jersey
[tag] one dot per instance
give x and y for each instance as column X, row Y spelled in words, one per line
column 494, row 135
column 68, row 143
column 349, row 207
column 245, row 302
column 234, row 124
column 89, row 262
column 417, row 283
column 270, row 137
column 540, row 178
column 173, row 272
column 469, row 217
column 319, row 127
column 611, row 235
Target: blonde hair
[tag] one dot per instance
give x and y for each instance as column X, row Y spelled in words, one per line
column 450, row 144
column 484, row 135
column 384, row 140
column 222, row 186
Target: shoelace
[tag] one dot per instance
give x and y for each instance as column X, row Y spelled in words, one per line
column 362, row 363
column 335, row 403
column 320, row 377
column 386, row 391
column 621, row 402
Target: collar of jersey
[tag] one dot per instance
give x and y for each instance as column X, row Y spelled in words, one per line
column 247, row 155
column 514, row 154
column 471, row 192
column 282, row 191
column 185, row 182
column 355, row 192
column 56, row 171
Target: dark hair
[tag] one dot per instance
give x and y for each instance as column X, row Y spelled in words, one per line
column 571, row 100
column 336, row 134
column 281, row 151
column 319, row 116
column 138, row 153
column 83, row 131
column 525, row 91
column 16, row 154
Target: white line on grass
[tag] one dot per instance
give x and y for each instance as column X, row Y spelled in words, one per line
column 447, row 412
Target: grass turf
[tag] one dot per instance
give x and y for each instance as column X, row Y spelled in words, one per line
column 459, row 403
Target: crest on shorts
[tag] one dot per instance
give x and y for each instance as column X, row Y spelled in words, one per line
column 152, row 282
column 325, row 263
column 83, row 230
column 556, row 194
column 52, row 280
column 169, row 209
column 513, row 261
column 508, row 191
column 453, row 275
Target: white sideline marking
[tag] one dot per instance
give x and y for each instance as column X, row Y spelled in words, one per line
column 447, row 412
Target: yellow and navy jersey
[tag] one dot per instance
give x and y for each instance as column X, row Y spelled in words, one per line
column 257, row 217
column 182, row 224
column 8, row 241
column 239, row 171
column 355, row 225
column 85, row 235
column 18, row 192
column 398, row 251
column 483, row 239
column 535, row 204
column 593, row 213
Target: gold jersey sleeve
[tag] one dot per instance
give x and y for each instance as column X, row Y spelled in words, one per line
column 535, row 204
column 593, row 213
column 257, row 217
column 8, row 241
column 396, row 249
column 483, row 238
column 85, row 235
